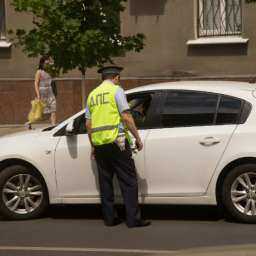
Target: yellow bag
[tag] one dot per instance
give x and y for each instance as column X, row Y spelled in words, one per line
column 37, row 111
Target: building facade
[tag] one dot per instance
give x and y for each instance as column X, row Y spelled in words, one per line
column 185, row 39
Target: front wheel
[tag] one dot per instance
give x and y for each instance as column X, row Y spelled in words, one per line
column 239, row 193
column 23, row 194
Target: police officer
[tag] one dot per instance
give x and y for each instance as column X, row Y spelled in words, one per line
column 107, row 119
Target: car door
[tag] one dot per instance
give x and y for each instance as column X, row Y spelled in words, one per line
column 76, row 173
column 143, row 107
column 184, row 150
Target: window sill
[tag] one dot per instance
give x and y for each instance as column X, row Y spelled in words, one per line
column 5, row 44
column 218, row 40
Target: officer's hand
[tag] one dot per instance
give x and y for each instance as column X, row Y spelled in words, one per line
column 139, row 145
column 92, row 153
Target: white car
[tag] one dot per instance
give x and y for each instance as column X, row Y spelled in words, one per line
column 199, row 148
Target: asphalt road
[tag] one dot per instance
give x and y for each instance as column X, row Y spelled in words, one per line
column 80, row 229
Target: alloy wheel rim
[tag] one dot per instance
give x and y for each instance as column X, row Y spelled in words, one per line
column 22, row 194
column 243, row 193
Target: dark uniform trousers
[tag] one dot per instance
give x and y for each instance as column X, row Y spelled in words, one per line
column 112, row 161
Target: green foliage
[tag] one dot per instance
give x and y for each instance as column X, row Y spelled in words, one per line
column 52, row 70
column 75, row 33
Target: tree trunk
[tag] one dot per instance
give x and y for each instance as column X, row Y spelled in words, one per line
column 83, row 88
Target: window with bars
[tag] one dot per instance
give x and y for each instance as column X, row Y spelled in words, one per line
column 2, row 19
column 219, row 18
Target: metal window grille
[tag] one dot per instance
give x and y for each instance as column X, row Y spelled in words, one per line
column 219, row 18
column 2, row 19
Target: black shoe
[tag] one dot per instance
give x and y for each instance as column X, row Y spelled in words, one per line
column 140, row 223
column 116, row 222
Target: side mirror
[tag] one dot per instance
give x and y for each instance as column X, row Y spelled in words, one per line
column 70, row 131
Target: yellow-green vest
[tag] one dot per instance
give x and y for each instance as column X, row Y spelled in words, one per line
column 104, row 112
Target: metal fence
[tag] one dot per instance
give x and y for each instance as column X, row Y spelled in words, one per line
column 219, row 17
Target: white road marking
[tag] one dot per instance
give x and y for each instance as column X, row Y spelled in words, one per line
column 73, row 249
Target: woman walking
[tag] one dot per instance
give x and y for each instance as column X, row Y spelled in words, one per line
column 43, row 88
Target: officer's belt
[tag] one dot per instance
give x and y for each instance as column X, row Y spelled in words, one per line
column 105, row 128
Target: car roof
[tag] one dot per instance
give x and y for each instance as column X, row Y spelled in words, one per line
column 229, row 87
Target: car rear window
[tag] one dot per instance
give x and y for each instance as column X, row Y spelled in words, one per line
column 229, row 110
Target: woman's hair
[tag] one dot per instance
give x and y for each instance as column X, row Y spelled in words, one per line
column 42, row 61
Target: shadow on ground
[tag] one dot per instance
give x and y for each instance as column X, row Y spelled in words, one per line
column 156, row 212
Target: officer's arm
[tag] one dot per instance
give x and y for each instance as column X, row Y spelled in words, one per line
column 130, row 124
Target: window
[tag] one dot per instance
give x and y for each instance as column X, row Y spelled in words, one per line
column 247, row 107
column 79, row 127
column 189, row 108
column 219, row 17
column 139, row 107
column 2, row 19
column 229, row 110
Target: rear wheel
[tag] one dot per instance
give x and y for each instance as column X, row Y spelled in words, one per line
column 23, row 194
column 239, row 193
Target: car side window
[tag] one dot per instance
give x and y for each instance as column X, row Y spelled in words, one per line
column 139, row 108
column 188, row 108
column 79, row 125
column 229, row 110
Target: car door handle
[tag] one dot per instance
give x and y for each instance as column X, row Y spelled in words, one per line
column 209, row 141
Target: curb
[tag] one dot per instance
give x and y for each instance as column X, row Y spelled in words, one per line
column 6, row 126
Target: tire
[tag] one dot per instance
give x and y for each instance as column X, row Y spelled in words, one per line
column 239, row 193
column 23, row 193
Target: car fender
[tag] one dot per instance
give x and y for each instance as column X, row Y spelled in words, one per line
column 47, row 173
column 211, row 190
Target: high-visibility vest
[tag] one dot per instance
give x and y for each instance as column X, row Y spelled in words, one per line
column 105, row 116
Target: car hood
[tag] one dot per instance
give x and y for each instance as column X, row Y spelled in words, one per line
column 22, row 138
column 26, row 144
column 24, row 133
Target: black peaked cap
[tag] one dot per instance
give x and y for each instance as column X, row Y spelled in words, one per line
column 110, row 70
